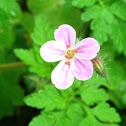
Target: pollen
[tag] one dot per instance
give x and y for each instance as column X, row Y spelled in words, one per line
column 69, row 54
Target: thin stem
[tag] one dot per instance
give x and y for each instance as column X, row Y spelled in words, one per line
column 108, row 81
column 12, row 65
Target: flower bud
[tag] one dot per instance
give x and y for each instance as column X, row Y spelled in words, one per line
column 99, row 67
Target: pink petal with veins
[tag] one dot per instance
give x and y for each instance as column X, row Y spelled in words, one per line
column 62, row 76
column 82, row 69
column 87, row 49
column 52, row 51
column 66, row 34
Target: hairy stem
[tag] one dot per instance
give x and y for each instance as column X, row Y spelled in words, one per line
column 12, row 65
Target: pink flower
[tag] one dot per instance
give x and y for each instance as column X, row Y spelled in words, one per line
column 75, row 59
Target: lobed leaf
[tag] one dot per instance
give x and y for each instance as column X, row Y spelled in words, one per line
column 50, row 119
column 83, row 3
column 43, row 32
column 92, row 121
column 92, row 95
column 105, row 113
column 48, row 99
column 119, row 9
column 75, row 113
column 27, row 56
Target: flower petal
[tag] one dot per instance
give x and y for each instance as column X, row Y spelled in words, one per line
column 52, row 51
column 82, row 69
column 87, row 49
column 66, row 34
column 62, row 76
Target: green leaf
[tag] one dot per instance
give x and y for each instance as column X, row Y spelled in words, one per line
column 6, row 38
column 43, row 70
column 119, row 9
column 75, row 113
column 98, row 32
column 76, row 84
column 107, row 52
column 27, row 21
column 48, row 98
column 61, row 119
column 43, row 32
column 11, row 7
column 119, row 99
column 83, row 3
column 92, row 121
column 101, row 115
column 44, row 119
column 27, row 56
column 38, row 5
column 119, row 35
column 106, row 113
column 57, row 12
column 50, row 119
column 92, row 95
column 36, row 64
column 4, row 22
column 6, row 32
column 101, row 23
column 91, row 13
column 11, row 94
column 6, row 107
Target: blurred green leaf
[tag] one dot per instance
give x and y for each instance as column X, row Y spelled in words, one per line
column 119, row 99
column 94, row 10
column 119, row 35
column 43, row 32
column 115, row 73
column 57, row 12
column 119, row 9
column 6, row 107
column 38, row 5
column 28, row 21
column 11, row 94
column 12, row 8
column 83, row 3
column 6, row 32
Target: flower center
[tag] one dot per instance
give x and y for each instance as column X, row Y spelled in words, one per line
column 69, row 54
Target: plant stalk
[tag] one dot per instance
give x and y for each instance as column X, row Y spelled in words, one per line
column 12, row 65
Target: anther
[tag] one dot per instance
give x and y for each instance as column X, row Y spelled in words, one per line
column 68, row 46
column 75, row 50
column 67, row 63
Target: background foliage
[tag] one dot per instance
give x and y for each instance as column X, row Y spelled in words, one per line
column 26, row 94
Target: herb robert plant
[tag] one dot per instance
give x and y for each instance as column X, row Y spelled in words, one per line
column 75, row 60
